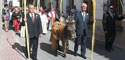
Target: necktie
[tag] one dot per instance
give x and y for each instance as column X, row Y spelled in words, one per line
column 112, row 15
column 83, row 16
column 83, row 20
column 32, row 17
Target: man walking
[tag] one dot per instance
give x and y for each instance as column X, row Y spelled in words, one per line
column 81, row 20
column 34, row 30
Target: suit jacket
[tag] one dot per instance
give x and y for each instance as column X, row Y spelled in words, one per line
column 109, row 21
column 81, row 24
column 34, row 28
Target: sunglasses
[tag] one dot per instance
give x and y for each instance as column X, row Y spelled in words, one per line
column 111, row 8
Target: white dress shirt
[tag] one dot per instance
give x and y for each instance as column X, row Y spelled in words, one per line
column 31, row 15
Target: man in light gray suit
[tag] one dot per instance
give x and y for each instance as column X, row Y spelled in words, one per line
column 81, row 19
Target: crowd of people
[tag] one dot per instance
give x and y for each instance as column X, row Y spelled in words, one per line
column 15, row 15
column 41, row 20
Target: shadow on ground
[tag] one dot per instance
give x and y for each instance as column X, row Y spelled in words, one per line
column 116, row 54
column 20, row 49
column 47, row 48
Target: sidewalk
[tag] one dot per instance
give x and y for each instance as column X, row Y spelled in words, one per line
column 9, row 49
column 12, row 47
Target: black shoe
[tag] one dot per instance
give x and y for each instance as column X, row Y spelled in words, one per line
column 83, row 57
column 31, row 56
column 112, row 49
column 59, row 48
column 35, row 59
column 75, row 54
column 108, row 50
column 26, row 55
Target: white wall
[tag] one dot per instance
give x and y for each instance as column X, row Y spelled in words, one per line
column 16, row 2
column 47, row 3
column 1, row 1
column 66, row 3
column 123, row 6
column 124, row 2
column 64, row 6
column 99, row 9
column 78, row 4
column 54, row 4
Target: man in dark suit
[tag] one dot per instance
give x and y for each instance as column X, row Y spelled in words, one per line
column 81, row 20
column 34, row 30
column 109, row 27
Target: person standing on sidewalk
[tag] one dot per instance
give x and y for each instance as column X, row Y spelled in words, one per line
column 16, row 19
column 81, row 19
column 34, row 30
column 109, row 27
column 6, row 16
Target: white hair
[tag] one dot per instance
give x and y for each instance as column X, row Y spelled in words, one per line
column 84, row 4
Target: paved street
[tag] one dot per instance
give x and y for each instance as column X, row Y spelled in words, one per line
column 12, row 48
column 8, row 49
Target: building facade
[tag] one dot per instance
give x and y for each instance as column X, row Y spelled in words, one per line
column 12, row 2
column 101, row 6
column 123, row 6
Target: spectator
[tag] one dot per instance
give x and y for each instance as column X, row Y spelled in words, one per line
column 53, row 15
column 58, row 12
column 16, row 19
column 62, row 18
column 6, row 17
column 44, row 21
